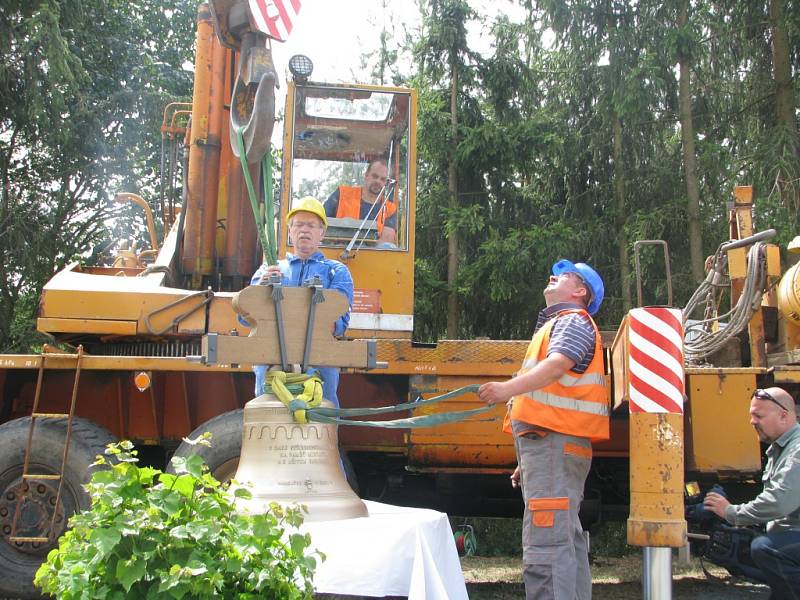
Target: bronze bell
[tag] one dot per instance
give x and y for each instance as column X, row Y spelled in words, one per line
column 293, row 463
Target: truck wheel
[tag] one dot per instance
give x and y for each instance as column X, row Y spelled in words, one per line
column 19, row 561
column 222, row 457
column 350, row 473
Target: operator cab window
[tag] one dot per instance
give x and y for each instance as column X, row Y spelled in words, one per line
column 349, row 150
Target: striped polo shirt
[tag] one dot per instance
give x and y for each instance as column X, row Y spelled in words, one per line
column 572, row 335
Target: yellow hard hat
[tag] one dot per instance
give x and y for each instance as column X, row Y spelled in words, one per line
column 312, row 205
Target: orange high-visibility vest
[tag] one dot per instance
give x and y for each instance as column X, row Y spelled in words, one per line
column 575, row 404
column 350, row 206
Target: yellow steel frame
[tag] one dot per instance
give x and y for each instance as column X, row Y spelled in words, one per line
column 719, row 401
column 114, row 363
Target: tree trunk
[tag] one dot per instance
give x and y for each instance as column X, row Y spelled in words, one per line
column 619, row 203
column 689, row 160
column 383, row 51
column 784, row 96
column 6, row 294
column 452, row 193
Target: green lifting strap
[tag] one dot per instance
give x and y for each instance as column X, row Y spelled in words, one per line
column 410, row 422
column 266, row 178
column 267, row 238
column 321, row 414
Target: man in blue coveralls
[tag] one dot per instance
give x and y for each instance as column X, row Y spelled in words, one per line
column 307, row 224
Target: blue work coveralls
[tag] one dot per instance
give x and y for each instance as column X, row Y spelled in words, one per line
column 334, row 276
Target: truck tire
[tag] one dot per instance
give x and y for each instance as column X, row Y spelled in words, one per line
column 222, row 457
column 19, row 562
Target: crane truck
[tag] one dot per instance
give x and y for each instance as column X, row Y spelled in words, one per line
column 124, row 334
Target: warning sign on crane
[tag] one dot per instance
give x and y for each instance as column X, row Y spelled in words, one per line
column 275, row 17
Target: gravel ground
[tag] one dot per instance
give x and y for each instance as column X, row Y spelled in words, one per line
column 499, row 578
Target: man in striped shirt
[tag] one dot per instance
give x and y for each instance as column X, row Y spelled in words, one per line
column 559, row 405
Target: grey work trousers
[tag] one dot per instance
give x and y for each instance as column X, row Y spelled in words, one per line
column 553, row 469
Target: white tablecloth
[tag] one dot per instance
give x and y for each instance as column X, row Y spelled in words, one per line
column 396, row 551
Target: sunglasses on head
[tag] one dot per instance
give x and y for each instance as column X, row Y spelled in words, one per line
column 765, row 395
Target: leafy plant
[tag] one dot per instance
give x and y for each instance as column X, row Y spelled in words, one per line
column 151, row 534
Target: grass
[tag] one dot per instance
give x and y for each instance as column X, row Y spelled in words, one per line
column 508, row 569
column 613, row 578
column 616, row 567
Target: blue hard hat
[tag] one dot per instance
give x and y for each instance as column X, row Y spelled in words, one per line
column 593, row 281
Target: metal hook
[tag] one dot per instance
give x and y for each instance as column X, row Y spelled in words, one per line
column 253, row 98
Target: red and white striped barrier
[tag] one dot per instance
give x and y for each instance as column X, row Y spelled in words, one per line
column 275, row 17
column 656, row 360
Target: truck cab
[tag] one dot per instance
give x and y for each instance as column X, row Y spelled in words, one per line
column 332, row 135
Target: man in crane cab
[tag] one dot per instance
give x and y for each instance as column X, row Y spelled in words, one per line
column 774, row 417
column 558, row 405
column 307, row 223
column 367, row 201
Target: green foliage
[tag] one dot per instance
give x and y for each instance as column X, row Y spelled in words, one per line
column 610, row 539
column 536, row 174
column 23, row 336
column 83, row 84
column 150, row 534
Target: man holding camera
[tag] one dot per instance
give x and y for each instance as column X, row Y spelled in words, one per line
column 774, row 417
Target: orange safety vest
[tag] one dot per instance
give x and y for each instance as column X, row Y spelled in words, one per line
column 576, row 404
column 350, row 206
